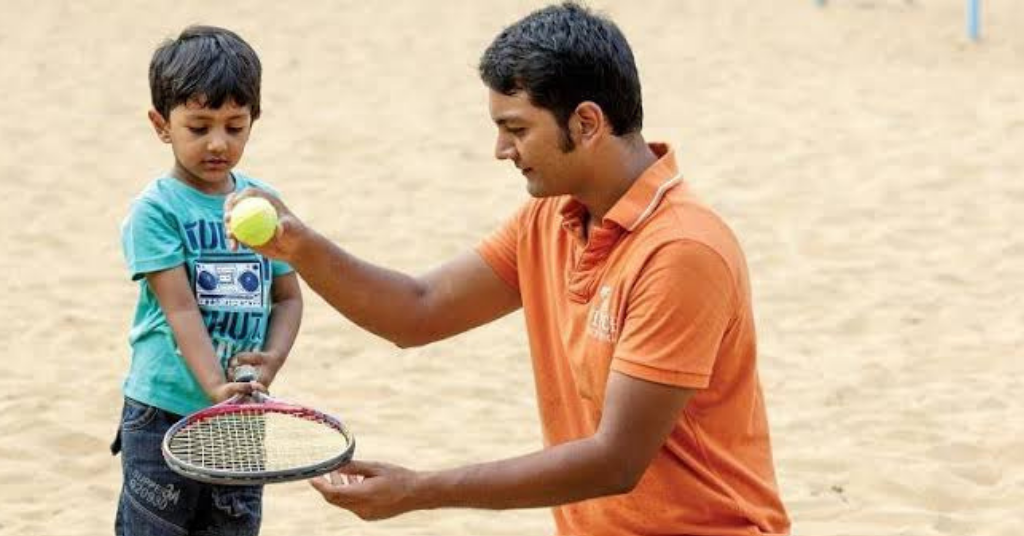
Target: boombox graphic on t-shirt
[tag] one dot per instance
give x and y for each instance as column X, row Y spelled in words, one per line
column 229, row 284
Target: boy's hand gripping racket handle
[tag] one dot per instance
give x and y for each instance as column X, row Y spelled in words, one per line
column 245, row 374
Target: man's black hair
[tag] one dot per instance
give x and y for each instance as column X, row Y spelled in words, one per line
column 206, row 63
column 563, row 55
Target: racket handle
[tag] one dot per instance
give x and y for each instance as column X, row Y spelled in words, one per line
column 245, row 374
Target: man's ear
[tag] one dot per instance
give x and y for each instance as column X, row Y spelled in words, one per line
column 588, row 122
column 160, row 125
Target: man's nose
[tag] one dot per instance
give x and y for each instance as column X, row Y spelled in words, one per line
column 504, row 149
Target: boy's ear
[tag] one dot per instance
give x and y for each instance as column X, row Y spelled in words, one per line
column 160, row 126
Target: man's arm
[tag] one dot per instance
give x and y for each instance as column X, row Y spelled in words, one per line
column 408, row 311
column 637, row 418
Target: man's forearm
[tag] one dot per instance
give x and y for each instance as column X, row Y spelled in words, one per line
column 568, row 473
column 382, row 301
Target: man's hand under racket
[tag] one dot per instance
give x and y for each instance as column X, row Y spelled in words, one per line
column 370, row 490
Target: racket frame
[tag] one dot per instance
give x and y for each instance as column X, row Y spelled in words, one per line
column 237, row 404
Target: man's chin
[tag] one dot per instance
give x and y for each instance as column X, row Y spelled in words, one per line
column 536, row 190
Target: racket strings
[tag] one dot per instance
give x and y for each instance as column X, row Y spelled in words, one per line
column 250, row 441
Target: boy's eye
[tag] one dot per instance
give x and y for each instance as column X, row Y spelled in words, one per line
column 197, row 130
column 235, row 130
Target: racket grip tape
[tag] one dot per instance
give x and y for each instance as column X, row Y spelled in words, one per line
column 245, row 373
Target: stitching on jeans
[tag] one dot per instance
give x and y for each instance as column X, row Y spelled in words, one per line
column 151, row 516
column 140, row 422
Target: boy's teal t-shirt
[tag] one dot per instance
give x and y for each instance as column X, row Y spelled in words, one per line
column 172, row 224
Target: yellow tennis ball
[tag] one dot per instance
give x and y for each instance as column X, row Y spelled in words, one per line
column 253, row 221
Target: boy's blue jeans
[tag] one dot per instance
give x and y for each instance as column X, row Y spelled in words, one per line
column 156, row 501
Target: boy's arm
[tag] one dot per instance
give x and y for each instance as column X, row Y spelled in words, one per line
column 172, row 290
column 285, row 318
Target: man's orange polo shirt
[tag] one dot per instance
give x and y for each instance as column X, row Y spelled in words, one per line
column 658, row 292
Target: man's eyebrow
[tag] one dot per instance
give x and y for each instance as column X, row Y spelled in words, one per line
column 505, row 119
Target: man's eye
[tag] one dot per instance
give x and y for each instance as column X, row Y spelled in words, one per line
column 516, row 131
column 197, row 130
column 235, row 130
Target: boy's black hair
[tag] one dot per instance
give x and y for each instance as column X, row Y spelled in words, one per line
column 563, row 55
column 208, row 63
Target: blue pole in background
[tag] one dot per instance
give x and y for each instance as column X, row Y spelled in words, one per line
column 974, row 19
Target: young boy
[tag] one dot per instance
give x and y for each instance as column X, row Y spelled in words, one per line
column 201, row 304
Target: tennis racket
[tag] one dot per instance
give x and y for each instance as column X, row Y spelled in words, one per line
column 256, row 439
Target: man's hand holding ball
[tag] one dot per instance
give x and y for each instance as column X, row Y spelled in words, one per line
column 260, row 220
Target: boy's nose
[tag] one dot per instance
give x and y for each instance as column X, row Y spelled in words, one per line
column 217, row 144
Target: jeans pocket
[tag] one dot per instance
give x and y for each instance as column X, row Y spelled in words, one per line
column 239, row 502
column 136, row 415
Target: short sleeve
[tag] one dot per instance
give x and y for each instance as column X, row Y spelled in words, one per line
column 678, row 313
column 279, row 268
column 150, row 240
column 500, row 250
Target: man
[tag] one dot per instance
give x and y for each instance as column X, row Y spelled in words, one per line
column 636, row 300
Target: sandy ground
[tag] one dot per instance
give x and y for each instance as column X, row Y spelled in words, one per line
column 868, row 155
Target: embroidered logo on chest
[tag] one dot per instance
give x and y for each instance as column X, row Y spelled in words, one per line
column 603, row 324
